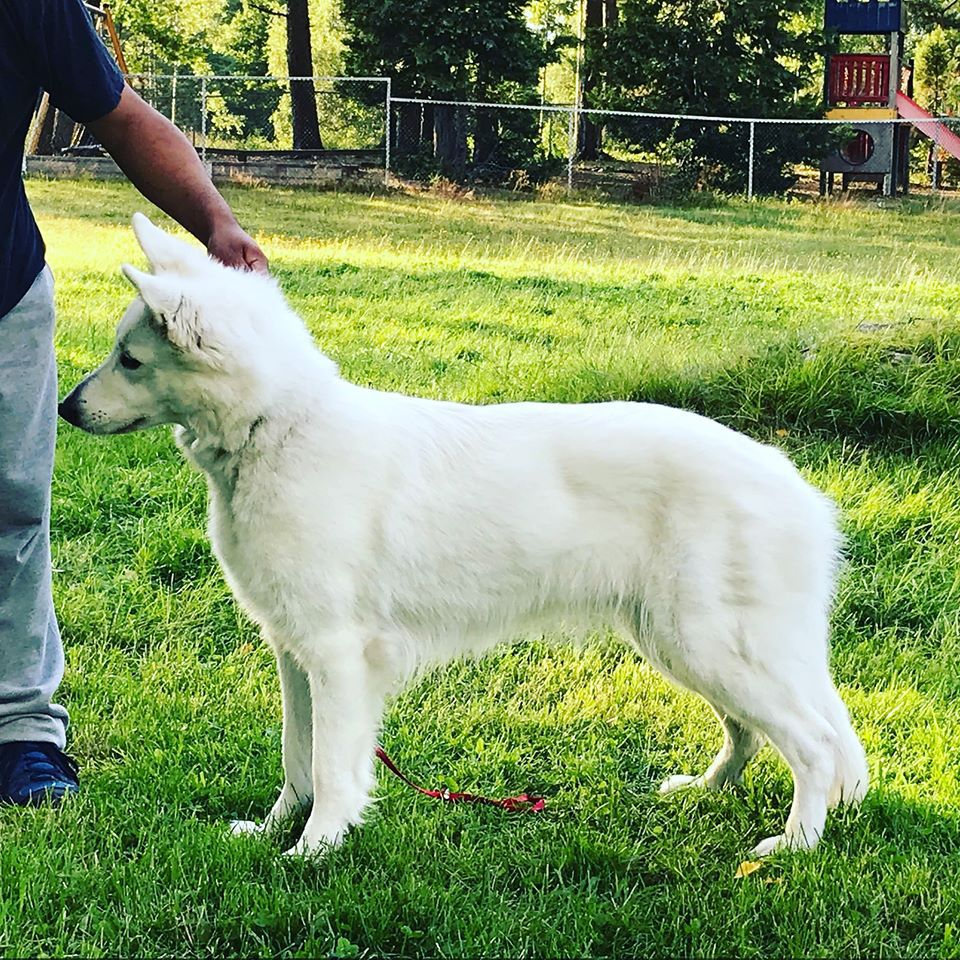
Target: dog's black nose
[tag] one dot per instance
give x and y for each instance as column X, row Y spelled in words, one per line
column 69, row 409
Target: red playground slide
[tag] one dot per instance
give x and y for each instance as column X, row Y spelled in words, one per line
column 938, row 132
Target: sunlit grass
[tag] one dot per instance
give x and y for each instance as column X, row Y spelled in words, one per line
column 828, row 329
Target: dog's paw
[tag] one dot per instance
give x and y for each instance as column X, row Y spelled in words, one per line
column 770, row 846
column 781, row 843
column 680, row 781
column 321, row 847
column 317, row 842
column 245, row 828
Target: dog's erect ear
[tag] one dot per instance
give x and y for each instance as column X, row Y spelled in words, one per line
column 172, row 314
column 167, row 254
column 161, row 294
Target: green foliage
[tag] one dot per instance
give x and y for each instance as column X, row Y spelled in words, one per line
column 936, row 69
column 745, row 58
column 221, row 37
column 927, row 15
column 455, row 50
column 156, row 37
column 443, row 49
column 748, row 58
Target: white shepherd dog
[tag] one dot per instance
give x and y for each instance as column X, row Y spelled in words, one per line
column 371, row 534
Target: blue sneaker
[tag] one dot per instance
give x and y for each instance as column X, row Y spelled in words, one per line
column 33, row 773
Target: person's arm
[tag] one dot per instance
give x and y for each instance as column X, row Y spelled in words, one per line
column 165, row 168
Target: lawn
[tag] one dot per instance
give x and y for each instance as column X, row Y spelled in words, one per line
column 830, row 330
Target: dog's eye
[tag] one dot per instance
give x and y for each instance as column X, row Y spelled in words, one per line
column 130, row 363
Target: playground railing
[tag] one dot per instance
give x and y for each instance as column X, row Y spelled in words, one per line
column 855, row 79
column 288, row 127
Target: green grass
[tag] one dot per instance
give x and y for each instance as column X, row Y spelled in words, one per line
column 748, row 313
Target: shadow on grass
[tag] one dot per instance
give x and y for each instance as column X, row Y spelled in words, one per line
column 897, row 392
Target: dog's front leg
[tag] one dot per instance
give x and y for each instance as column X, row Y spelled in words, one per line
column 345, row 717
column 297, row 788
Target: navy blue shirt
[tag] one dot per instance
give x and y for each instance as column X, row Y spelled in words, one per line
column 48, row 44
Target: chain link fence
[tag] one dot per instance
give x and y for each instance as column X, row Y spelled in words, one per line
column 296, row 130
column 315, row 129
column 637, row 155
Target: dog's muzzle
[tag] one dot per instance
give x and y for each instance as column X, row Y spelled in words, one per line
column 69, row 409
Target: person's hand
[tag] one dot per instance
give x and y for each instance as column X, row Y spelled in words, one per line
column 231, row 245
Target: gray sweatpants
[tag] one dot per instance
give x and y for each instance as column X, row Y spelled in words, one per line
column 31, row 655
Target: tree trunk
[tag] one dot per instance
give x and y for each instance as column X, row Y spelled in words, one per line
column 485, row 137
column 450, row 140
column 40, row 141
column 63, row 132
column 485, row 133
column 303, row 99
column 601, row 15
column 409, row 124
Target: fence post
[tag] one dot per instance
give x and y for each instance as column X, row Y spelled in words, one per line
column 753, row 126
column 386, row 148
column 203, row 120
column 936, row 167
column 571, row 148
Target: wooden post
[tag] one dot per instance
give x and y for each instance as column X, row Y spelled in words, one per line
column 890, row 181
column 894, row 82
column 114, row 39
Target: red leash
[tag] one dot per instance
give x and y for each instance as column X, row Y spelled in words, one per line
column 523, row 802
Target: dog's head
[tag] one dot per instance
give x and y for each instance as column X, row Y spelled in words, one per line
column 198, row 336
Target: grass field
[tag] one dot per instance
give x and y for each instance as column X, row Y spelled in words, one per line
column 829, row 330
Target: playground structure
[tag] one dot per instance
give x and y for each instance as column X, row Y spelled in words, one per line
column 53, row 131
column 103, row 20
column 865, row 90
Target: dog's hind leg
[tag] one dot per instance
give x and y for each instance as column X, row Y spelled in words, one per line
column 740, row 745
column 780, row 710
column 768, row 670
column 297, row 791
column 805, row 740
column 789, row 696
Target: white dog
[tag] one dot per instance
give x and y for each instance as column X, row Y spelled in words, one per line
column 370, row 534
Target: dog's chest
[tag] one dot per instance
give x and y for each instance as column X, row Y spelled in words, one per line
column 280, row 566
column 250, row 549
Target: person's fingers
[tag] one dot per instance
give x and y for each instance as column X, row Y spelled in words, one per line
column 237, row 249
column 255, row 258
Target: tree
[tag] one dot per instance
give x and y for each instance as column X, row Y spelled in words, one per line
column 748, row 58
column 187, row 38
column 447, row 50
column 926, row 15
column 599, row 17
column 158, row 36
column 298, row 45
column 303, row 96
column 936, row 78
column 226, row 38
column 935, row 68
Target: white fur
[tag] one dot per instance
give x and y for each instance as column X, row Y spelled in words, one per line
column 370, row 534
